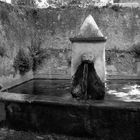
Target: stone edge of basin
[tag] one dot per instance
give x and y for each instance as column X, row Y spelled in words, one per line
column 24, row 98
column 51, row 100
column 57, row 76
column 15, row 82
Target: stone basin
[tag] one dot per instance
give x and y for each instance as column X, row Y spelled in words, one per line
column 116, row 90
column 46, row 106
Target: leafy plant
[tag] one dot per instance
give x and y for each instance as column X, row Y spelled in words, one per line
column 2, row 51
column 25, row 62
column 111, row 55
column 136, row 50
column 22, row 62
column 37, row 53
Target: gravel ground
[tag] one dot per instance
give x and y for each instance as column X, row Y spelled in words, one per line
column 9, row 134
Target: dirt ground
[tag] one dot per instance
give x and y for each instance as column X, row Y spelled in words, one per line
column 9, row 134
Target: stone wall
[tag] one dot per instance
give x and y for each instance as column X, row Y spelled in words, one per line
column 54, row 26
column 67, row 2
column 56, row 3
column 129, row 1
column 97, row 120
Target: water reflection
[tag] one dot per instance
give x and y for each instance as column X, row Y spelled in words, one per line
column 128, row 91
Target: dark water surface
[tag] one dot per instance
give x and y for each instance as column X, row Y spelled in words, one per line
column 126, row 90
column 43, row 87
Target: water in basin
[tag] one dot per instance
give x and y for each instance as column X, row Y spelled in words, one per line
column 125, row 90
column 43, row 87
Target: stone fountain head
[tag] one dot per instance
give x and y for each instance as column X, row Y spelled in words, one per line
column 88, row 62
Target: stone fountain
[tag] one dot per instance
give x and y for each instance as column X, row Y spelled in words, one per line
column 88, row 62
column 46, row 108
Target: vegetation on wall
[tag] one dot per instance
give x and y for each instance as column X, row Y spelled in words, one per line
column 37, row 53
column 120, row 61
column 31, row 60
column 135, row 49
column 2, row 51
column 111, row 55
column 23, row 2
column 22, row 62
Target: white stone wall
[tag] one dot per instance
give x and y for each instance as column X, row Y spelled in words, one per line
column 98, row 50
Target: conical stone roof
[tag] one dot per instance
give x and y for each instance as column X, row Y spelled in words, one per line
column 89, row 32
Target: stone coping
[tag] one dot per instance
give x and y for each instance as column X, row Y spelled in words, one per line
column 53, row 76
column 59, row 76
column 88, row 40
column 122, row 77
column 43, row 99
column 130, row 5
column 68, row 77
column 19, row 81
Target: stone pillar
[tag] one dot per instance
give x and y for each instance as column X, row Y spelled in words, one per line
column 89, row 41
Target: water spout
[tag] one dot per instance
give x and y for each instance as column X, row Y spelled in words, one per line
column 86, row 83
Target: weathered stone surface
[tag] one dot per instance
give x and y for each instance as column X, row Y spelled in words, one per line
column 100, row 120
column 48, row 118
column 89, row 29
column 107, row 119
